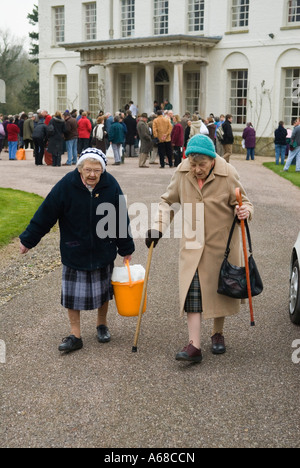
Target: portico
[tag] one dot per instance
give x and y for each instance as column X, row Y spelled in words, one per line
column 149, row 70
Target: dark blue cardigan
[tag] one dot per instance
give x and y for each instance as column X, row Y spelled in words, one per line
column 72, row 204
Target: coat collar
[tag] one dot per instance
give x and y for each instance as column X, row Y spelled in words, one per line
column 220, row 169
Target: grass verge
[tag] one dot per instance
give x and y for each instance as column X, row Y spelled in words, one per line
column 291, row 175
column 16, row 210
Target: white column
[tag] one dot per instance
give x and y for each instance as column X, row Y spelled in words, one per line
column 149, row 87
column 2, row 92
column 110, row 89
column 203, row 90
column 178, row 88
column 84, row 87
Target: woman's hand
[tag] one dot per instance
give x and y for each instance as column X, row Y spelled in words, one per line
column 242, row 212
column 23, row 249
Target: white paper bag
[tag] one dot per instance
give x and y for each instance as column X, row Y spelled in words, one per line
column 120, row 274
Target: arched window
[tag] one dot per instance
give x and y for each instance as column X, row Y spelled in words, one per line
column 162, row 77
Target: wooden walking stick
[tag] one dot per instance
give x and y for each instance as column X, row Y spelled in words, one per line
column 240, row 202
column 138, row 328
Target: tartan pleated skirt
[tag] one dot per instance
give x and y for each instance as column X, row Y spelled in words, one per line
column 86, row 290
column 193, row 303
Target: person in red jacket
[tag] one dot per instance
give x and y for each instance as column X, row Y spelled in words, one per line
column 177, row 139
column 84, row 133
column 12, row 137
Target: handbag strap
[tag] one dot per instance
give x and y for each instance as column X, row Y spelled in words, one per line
column 227, row 252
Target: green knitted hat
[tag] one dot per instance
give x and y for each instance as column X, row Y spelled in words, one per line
column 201, row 144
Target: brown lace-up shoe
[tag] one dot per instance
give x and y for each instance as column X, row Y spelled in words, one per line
column 190, row 354
column 218, row 344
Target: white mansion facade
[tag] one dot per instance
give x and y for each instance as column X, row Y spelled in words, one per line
column 221, row 56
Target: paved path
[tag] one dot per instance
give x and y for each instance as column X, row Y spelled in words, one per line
column 105, row 396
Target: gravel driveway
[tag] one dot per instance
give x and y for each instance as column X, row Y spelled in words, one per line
column 105, row 396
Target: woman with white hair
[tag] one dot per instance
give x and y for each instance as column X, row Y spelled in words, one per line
column 94, row 228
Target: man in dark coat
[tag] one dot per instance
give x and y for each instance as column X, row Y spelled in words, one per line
column 56, row 131
column 39, row 137
column 280, row 142
column 228, row 137
column 131, row 135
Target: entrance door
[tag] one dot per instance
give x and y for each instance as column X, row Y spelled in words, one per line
column 162, row 86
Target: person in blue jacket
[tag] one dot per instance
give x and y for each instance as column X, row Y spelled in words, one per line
column 116, row 138
column 94, row 227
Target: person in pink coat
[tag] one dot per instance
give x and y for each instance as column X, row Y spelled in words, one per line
column 84, row 132
column 249, row 135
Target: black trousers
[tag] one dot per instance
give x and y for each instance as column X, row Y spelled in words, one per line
column 165, row 149
column 56, row 160
column 39, row 149
column 177, row 155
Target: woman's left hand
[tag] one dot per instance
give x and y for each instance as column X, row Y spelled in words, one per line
column 242, row 212
column 128, row 258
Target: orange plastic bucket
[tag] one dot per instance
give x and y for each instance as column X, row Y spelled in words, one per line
column 128, row 296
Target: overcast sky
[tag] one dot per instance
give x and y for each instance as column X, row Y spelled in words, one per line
column 13, row 17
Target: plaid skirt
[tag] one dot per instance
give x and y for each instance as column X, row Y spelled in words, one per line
column 86, row 290
column 193, row 303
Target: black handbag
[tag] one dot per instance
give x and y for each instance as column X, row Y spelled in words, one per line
column 232, row 279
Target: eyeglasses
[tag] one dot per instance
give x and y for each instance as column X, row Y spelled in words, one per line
column 92, row 171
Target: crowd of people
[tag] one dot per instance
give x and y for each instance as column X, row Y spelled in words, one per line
column 127, row 133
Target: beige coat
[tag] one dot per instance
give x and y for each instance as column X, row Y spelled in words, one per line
column 207, row 218
column 162, row 129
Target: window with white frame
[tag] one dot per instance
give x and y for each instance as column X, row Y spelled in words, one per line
column 161, row 17
column 94, row 96
column 192, row 92
column 128, row 18
column 292, row 95
column 61, row 93
column 196, row 15
column 90, row 21
column 239, row 96
column 125, row 89
column 59, row 24
column 293, row 11
column 240, row 14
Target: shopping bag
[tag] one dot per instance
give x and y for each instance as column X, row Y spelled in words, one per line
column 21, row 156
column 110, row 152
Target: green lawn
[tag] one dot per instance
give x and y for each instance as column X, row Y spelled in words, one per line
column 291, row 175
column 16, row 210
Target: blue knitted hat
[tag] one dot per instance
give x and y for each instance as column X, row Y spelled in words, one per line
column 201, row 144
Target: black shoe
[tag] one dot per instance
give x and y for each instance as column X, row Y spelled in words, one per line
column 218, row 344
column 103, row 334
column 71, row 343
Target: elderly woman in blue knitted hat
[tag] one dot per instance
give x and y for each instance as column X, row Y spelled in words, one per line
column 204, row 186
column 82, row 202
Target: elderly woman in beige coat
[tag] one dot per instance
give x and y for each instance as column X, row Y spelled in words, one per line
column 204, row 186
